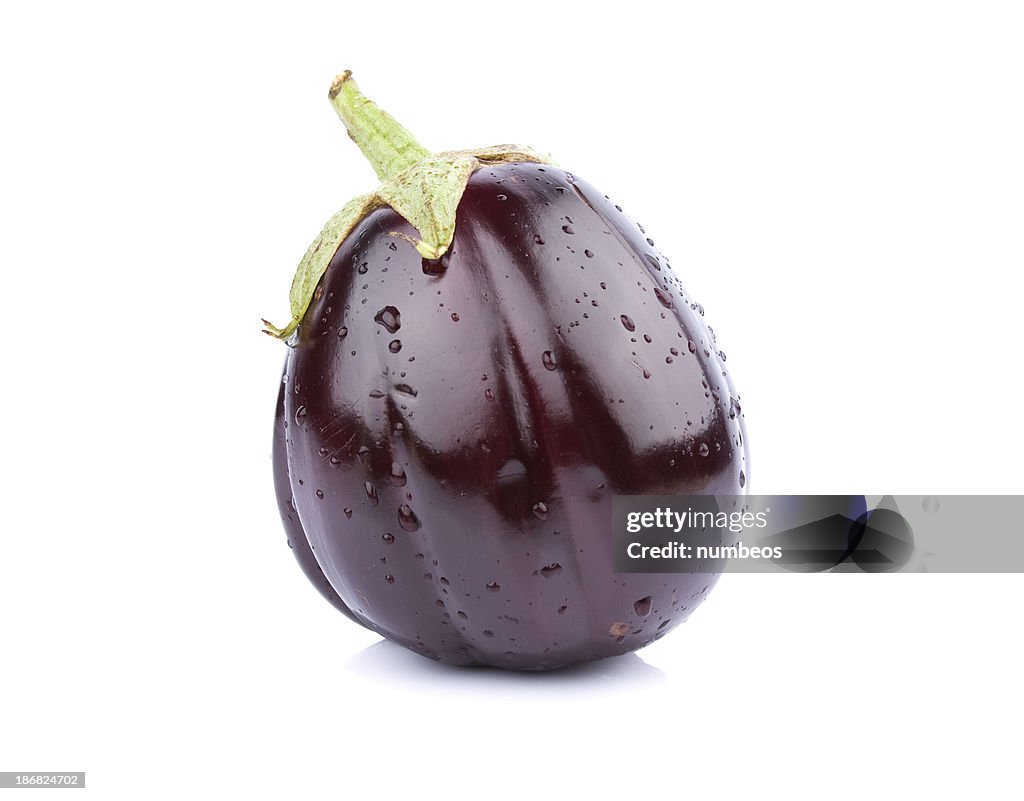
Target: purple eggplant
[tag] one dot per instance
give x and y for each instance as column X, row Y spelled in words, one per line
column 458, row 411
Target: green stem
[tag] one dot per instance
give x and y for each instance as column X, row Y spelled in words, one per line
column 387, row 145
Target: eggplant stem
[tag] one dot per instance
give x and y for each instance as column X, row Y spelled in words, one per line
column 388, row 146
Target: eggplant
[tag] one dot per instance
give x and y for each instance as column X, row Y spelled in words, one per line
column 464, row 395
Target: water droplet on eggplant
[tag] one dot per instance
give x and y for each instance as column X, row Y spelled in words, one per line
column 643, row 606
column 390, row 318
column 407, row 518
column 371, row 493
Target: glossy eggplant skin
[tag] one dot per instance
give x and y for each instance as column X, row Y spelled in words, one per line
column 455, row 432
column 296, row 537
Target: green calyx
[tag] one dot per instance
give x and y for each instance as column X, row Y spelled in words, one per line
column 424, row 188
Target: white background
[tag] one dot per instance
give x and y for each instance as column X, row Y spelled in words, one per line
column 840, row 185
